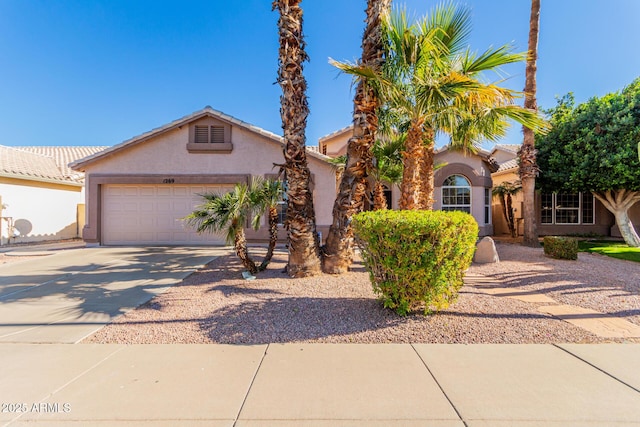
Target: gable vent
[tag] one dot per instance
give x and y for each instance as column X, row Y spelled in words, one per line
column 217, row 134
column 202, row 134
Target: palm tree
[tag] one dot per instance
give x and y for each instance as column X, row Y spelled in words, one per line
column 505, row 192
column 387, row 158
column 227, row 212
column 230, row 212
column 304, row 247
column 338, row 250
column 266, row 199
column 527, row 153
column 432, row 80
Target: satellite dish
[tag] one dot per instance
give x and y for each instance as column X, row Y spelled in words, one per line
column 23, row 226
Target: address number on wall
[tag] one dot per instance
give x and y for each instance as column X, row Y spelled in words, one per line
column 168, row 181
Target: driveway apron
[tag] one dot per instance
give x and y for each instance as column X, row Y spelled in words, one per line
column 64, row 297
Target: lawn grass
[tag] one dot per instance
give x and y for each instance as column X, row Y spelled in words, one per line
column 610, row 248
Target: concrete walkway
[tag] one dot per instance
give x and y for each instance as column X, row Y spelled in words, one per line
column 600, row 324
column 320, row 385
column 66, row 296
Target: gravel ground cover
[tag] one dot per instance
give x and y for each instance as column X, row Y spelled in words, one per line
column 215, row 305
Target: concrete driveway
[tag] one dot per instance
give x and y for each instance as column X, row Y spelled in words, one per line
column 66, row 296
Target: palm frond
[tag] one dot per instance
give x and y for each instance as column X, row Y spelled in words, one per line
column 491, row 59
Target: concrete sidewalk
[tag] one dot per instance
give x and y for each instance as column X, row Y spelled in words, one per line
column 320, row 385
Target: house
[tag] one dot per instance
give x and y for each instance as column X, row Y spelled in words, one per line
column 463, row 183
column 41, row 198
column 557, row 213
column 137, row 192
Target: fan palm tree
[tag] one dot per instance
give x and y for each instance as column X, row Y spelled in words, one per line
column 433, row 80
column 387, row 161
column 230, row 212
column 505, row 192
column 227, row 212
column 527, row 153
column 304, row 247
column 338, row 250
column 266, row 198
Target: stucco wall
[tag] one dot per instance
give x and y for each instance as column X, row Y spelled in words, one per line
column 337, row 144
column 499, row 223
column 51, row 210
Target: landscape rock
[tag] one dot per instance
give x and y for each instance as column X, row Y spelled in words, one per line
column 486, row 251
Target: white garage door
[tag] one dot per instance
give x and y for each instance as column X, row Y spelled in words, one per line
column 152, row 214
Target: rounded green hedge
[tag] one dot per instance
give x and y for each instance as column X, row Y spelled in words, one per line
column 416, row 259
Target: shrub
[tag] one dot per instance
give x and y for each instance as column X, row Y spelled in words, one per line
column 561, row 247
column 416, row 258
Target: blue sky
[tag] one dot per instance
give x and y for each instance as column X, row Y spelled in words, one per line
column 89, row 72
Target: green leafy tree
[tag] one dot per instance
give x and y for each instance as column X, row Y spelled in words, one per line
column 230, row 212
column 592, row 147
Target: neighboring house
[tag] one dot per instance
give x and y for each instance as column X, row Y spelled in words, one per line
column 335, row 144
column 137, row 192
column 42, row 198
column 557, row 214
column 463, row 183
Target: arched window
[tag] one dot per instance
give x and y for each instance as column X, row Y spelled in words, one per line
column 456, row 194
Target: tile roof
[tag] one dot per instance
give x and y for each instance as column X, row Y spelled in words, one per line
column 44, row 163
column 508, row 147
column 508, row 165
column 336, row 133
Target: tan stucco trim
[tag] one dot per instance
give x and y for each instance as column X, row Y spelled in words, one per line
column 91, row 232
column 462, row 169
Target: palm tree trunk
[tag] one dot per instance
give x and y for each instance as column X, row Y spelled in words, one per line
column 240, row 245
column 304, row 248
column 273, row 237
column 527, row 153
column 379, row 201
column 428, row 184
column 413, row 159
column 510, row 220
column 338, row 250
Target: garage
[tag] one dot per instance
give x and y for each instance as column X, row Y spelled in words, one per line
column 152, row 214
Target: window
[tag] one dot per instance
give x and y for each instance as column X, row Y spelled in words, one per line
column 282, row 205
column 282, row 212
column 456, row 194
column 567, row 208
column 324, row 149
column 487, row 206
column 388, row 195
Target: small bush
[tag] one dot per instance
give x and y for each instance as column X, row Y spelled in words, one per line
column 561, row 247
column 416, row 258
